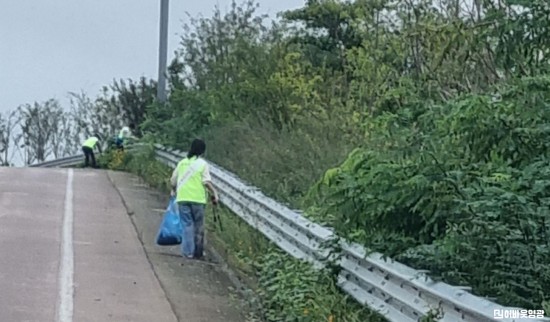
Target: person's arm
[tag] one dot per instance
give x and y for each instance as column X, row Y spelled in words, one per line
column 174, row 181
column 207, row 181
column 212, row 191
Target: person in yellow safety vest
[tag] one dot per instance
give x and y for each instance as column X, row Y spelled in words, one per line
column 190, row 180
column 124, row 133
column 88, row 149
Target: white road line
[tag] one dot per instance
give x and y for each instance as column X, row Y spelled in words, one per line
column 66, row 271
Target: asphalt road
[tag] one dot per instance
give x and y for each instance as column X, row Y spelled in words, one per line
column 69, row 252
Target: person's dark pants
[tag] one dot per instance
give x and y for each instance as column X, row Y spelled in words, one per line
column 119, row 144
column 88, row 154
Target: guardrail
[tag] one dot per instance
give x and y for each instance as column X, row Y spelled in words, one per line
column 74, row 160
column 63, row 162
column 398, row 292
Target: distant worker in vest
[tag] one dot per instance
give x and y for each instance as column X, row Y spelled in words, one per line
column 125, row 133
column 189, row 181
column 88, row 149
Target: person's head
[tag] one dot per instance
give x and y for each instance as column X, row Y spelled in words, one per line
column 197, row 148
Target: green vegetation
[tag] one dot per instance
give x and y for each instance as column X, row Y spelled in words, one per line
column 417, row 128
column 460, row 189
column 439, row 114
column 285, row 289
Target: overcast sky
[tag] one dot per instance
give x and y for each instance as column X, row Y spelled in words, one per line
column 51, row 47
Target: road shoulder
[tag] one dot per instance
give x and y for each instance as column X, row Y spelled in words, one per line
column 197, row 290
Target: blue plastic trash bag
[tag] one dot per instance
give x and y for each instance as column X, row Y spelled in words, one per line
column 171, row 229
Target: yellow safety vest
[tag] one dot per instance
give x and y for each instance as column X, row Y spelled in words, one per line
column 193, row 189
column 122, row 133
column 90, row 142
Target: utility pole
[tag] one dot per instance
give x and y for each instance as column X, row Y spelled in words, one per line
column 163, row 47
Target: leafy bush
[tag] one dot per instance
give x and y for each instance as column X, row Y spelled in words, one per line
column 113, row 159
column 293, row 291
column 460, row 189
column 156, row 174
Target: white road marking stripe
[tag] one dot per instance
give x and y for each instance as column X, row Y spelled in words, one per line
column 66, row 271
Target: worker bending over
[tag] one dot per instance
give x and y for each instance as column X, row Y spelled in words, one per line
column 124, row 134
column 88, row 149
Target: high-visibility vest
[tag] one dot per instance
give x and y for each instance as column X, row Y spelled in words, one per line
column 90, row 142
column 122, row 133
column 192, row 190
